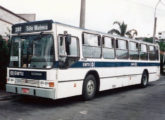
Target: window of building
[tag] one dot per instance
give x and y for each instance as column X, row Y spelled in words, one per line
column 108, row 48
column 122, row 49
column 133, row 51
column 91, row 45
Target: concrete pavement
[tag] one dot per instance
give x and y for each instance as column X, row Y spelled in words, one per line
column 129, row 103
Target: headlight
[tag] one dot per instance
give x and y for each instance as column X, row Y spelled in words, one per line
column 11, row 80
column 46, row 84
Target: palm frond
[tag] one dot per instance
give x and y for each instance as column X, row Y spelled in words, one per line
column 128, row 33
column 131, row 33
column 123, row 29
column 117, row 22
column 114, row 31
column 134, row 31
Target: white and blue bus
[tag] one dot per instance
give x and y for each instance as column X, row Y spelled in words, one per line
column 53, row 60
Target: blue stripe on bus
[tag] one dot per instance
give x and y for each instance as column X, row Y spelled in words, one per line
column 89, row 64
column 41, row 75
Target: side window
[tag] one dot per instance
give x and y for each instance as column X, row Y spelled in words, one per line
column 108, row 48
column 143, row 52
column 73, row 47
column 70, row 48
column 133, row 51
column 91, row 45
column 122, row 49
column 152, row 53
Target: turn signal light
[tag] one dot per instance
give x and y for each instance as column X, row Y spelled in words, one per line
column 51, row 84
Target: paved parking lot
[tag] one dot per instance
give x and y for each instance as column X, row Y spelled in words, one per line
column 129, row 103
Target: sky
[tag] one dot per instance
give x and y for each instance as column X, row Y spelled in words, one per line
column 100, row 14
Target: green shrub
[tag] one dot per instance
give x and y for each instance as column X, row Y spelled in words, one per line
column 4, row 61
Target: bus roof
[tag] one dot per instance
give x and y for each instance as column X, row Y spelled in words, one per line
column 89, row 30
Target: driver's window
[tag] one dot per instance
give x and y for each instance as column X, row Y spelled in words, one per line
column 70, row 48
column 73, row 47
column 61, row 44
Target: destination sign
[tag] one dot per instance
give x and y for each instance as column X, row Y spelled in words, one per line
column 32, row 26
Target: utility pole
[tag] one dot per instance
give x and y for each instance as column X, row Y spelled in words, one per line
column 82, row 14
column 155, row 26
column 155, row 22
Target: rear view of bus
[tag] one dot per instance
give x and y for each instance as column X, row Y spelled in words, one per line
column 32, row 58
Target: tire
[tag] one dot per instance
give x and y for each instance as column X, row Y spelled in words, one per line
column 144, row 80
column 89, row 87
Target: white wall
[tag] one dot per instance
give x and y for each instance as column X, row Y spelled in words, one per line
column 4, row 28
column 6, row 21
column 162, row 35
column 10, row 17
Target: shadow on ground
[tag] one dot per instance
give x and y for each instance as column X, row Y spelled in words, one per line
column 37, row 102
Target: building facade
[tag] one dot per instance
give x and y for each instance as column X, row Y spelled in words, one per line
column 8, row 18
column 161, row 35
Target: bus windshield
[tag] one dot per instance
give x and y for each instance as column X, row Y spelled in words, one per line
column 32, row 51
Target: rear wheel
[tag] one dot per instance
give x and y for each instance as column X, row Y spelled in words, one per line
column 89, row 87
column 144, row 80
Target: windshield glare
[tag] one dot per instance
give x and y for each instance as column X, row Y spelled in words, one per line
column 32, row 51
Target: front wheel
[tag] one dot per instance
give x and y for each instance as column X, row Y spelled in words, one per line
column 89, row 87
column 144, row 80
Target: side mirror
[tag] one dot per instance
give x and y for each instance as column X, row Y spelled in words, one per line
column 61, row 64
column 67, row 43
column 68, row 39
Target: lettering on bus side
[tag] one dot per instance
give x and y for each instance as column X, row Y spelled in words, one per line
column 18, row 73
column 133, row 64
column 89, row 64
column 38, row 75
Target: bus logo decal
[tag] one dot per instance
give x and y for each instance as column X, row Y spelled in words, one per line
column 89, row 64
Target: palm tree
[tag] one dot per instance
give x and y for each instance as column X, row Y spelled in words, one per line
column 123, row 30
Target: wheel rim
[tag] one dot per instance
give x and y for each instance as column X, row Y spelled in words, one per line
column 145, row 80
column 90, row 87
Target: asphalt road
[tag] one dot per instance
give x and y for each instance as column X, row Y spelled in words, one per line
column 129, row 103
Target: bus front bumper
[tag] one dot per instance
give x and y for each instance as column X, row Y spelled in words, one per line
column 33, row 91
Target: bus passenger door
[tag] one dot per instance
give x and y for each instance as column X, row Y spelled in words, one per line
column 69, row 75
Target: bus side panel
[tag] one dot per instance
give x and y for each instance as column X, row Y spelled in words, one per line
column 154, row 73
column 124, row 76
column 70, row 82
column 119, row 77
column 68, row 89
column 110, row 83
column 116, row 82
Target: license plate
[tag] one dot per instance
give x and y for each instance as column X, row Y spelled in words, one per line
column 25, row 90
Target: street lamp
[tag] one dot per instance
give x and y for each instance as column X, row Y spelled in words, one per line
column 155, row 21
